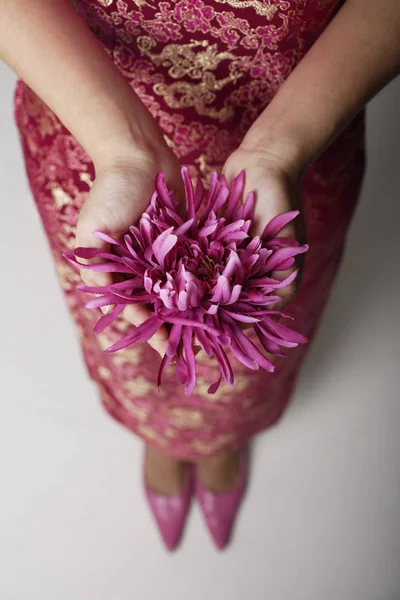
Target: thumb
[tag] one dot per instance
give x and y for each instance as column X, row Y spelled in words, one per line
column 90, row 277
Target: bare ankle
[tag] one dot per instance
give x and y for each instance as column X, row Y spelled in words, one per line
column 164, row 474
column 220, row 473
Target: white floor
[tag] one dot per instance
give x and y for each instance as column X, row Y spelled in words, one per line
column 322, row 517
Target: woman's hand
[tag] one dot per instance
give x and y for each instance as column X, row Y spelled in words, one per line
column 277, row 185
column 120, row 194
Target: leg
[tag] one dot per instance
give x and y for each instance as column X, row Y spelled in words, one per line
column 220, row 473
column 164, row 474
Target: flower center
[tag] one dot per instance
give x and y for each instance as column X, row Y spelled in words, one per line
column 208, row 265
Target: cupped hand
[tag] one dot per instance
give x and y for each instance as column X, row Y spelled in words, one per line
column 278, row 189
column 119, row 196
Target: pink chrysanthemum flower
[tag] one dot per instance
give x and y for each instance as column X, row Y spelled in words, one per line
column 202, row 274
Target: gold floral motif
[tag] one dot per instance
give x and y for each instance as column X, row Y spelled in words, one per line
column 66, row 241
column 105, row 2
column 32, row 146
column 184, row 62
column 199, row 96
column 141, row 413
column 170, row 433
column 106, row 398
column 67, row 275
column 169, row 142
column 85, row 177
column 224, row 393
column 103, row 340
column 138, row 387
column 127, row 356
column 60, row 197
column 221, row 395
column 205, row 448
column 46, row 125
column 266, row 8
column 185, row 418
column 140, row 3
column 205, row 166
column 104, row 372
column 149, row 433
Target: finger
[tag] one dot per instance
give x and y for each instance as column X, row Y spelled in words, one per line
column 287, row 293
column 294, row 230
column 90, row 277
column 138, row 314
column 158, row 346
column 96, row 279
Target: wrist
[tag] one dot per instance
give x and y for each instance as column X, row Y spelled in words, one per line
column 127, row 149
column 293, row 142
column 125, row 157
column 127, row 134
column 283, row 148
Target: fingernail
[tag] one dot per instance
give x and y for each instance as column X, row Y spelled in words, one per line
column 106, row 309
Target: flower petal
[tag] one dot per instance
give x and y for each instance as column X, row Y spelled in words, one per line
column 166, row 360
column 222, row 290
column 162, row 190
column 242, row 356
column 236, row 193
column 175, row 336
column 183, row 301
column 181, row 368
column 88, row 253
column 284, row 332
column 223, row 361
column 283, row 254
column 214, row 386
column 285, row 265
column 240, row 317
column 180, row 231
column 235, row 295
column 248, row 207
column 181, row 320
column 199, row 194
column 203, row 341
column 268, row 345
column 251, row 350
column 190, row 360
column 106, row 320
column 164, row 244
column 143, row 332
column 278, row 223
column 107, row 238
column 189, row 193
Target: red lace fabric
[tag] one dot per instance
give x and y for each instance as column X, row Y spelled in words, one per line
column 205, row 70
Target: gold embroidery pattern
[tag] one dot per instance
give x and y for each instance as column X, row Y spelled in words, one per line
column 265, row 9
column 182, row 60
column 186, row 95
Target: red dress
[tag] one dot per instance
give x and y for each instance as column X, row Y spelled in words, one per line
column 205, row 70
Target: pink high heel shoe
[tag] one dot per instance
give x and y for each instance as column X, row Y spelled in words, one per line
column 170, row 512
column 220, row 509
